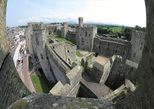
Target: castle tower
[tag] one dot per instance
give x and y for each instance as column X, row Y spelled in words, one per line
column 137, row 45
column 39, row 37
column 64, row 29
column 29, row 34
column 80, row 21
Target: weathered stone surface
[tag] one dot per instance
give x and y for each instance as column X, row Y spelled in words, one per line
column 11, row 87
column 137, row 44
column 48, row 101
column 143, row 97
column 4, row 48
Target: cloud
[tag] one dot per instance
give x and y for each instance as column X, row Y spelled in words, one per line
column 127, row 12
column 47, row 18
column 124, row 12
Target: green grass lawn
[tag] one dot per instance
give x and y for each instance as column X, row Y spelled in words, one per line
column 40, row 84
column 53, row 36
column 116, row 29
column 60, row 39
column 90, row 56
column 79, row 54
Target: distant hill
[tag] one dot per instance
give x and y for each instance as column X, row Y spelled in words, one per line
column 86, row 23
column 98, row 23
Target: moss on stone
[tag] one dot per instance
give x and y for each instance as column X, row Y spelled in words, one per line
column 21, row 103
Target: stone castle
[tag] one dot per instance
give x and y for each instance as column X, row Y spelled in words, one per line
column 60, row 66
column 12, row 88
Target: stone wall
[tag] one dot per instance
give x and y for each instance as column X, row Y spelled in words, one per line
column 66, row 51
column 70, row 89
column 4, row 47
column 109, row 47
column 113, row 69
column 120, row 70
column 71, row 36
column 97, row 71
column 143, row 96
column 11, row 87
column 117, row 75
column 57, row 65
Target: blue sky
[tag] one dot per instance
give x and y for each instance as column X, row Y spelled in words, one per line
column 125, row 12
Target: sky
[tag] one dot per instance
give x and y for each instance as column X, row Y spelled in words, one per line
column 123, row 12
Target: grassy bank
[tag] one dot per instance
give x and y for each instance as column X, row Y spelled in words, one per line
column 60, row 39
column 40, row 84
column 79, row 54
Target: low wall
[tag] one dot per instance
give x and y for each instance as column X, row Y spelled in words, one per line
column 65, row 66
column 113, row 94
column 58, row 71
column 130, row 85
column 100, row 72
column 85, row 92
column 70, row 89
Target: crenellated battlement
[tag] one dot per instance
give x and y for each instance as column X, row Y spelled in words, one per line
column 38, row 26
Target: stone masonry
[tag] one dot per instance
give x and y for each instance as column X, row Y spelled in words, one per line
column 141, row 98
column 11, row 87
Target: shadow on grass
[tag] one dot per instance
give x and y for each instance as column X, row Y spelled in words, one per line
column 42, row 84
column 61, row 39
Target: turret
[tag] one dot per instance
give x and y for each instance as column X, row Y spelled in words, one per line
column 38, row 26
column 65, row 29
column 80, row 21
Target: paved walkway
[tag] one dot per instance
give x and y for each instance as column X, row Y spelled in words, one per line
column 83, row 52
column 100, row 59
column 100, row 90
column 26, row 76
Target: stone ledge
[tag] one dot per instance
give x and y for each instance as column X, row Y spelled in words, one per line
column 48, row 101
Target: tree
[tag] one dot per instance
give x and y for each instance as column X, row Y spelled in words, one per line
column 138, row 28
column 127, row 32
